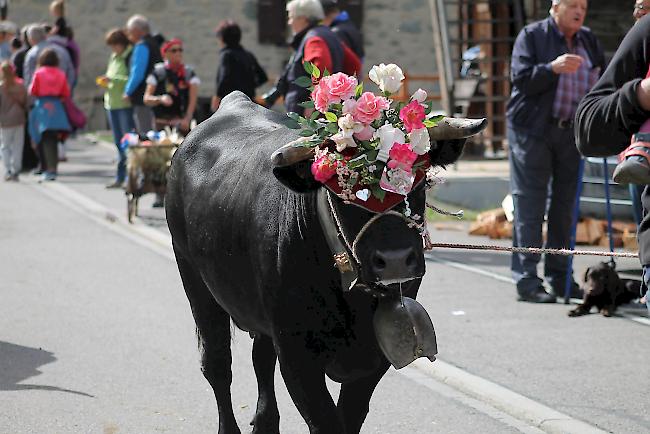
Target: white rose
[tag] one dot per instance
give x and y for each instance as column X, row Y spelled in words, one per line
column 420, row 96
column 420, row 141
column 348, row 127
column 387, row 77
column 388, row 135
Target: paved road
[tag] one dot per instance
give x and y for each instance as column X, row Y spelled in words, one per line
column 96, row 335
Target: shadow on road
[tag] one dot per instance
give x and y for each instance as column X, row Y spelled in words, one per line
column 18, row 363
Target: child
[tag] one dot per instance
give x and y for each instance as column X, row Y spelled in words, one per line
column 48, row 122
column 60, row 25
column 13, row 103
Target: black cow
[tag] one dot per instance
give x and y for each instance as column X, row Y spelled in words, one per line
column 250, row 248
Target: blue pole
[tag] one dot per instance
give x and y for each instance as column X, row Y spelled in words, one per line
column 574, row 225
column 609, row 209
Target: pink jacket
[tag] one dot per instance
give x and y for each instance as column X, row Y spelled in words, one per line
column 49, row 81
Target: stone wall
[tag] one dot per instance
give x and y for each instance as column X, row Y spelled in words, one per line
column 395, row 30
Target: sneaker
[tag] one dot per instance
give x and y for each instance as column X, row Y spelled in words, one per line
column 14, row 178
column 635, row 168
column 48, row 176
column 8, row 177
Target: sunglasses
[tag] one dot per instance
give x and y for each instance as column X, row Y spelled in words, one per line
column 175, row 50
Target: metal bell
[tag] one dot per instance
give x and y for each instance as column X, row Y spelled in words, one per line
column 404, row 331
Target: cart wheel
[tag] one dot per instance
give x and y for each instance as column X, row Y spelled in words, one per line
column 131, row 206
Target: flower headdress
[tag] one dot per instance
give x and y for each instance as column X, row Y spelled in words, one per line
column 368, row 149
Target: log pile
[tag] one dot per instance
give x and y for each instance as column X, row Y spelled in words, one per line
column 593, row 232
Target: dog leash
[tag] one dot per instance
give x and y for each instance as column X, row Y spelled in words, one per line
column 534, row 250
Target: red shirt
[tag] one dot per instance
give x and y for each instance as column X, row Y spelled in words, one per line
column 318, row 53
column 49, row 81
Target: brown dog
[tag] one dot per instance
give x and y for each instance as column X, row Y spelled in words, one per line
column 604, row 289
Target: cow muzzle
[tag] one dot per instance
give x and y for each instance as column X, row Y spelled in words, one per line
column 394, row 267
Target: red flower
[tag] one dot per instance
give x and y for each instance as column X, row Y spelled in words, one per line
column 413, row 116
column 323, row 169
column 401, row 155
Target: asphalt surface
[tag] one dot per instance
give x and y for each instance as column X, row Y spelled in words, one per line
column 96, row 334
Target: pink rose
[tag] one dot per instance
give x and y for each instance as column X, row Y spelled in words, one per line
column 402, row 156
column 341, row 86
column 366, row 133
column 321, row 96
column 413, row 116
column 323, row 169
column 368, row 108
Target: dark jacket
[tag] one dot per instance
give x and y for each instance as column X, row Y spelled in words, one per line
column 348, row 33
column 533, row 82
column 154, row 58
column 238, row 70
column 296, row 94
column 609, row 114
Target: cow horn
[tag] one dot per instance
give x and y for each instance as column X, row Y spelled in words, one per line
column 291, row 153
column 457, row 128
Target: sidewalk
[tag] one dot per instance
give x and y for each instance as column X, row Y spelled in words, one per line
column 477, row 185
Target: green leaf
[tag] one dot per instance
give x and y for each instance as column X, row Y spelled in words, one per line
column 314, row 116
column 315, row 72
column 303, row 81
column 293, row 115
column 332, row 128
column 307, row 104
column 429, row 123
column 326, row 73
column 359, row 90
column 306, row 133
column 309, row 67
column 331, row 117
column 379, row 193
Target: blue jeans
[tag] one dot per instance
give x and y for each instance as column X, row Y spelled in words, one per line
column 543, row 181
column 646, row 284
column 637, row 208
column 121, row 121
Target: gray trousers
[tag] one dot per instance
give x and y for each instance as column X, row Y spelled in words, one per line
column 543, row 180
column 143, row 117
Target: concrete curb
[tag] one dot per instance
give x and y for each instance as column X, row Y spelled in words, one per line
column 518, row 406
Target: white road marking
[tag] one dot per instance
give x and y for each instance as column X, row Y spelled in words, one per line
column 495, row 401
column 501, row 278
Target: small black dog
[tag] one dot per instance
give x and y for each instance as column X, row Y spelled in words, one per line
column 605, row 290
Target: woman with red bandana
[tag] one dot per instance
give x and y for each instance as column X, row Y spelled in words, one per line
column 172, row 89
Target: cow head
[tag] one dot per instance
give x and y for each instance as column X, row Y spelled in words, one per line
column 380, row 252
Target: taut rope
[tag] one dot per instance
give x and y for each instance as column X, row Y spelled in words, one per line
column 534, row 250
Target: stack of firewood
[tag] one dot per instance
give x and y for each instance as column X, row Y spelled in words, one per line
column 590, row 231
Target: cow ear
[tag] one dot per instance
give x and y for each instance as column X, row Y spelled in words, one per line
column 297, row 177
column 445, row 152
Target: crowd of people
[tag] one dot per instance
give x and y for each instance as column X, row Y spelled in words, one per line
column 40, row 65
column 147, row 84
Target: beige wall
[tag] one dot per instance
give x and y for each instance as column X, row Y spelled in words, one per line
column 396, row 31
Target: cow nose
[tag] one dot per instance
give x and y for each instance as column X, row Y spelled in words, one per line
column 394, row 264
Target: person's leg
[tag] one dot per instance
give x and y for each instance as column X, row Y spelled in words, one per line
column 126, row 125
column 530, row 167
column 566, row 160
column 143, row 117
column 635, row 196
column 49, row 142
column 116, row 121
column 5, row 152
column 645, row 286
column 17, row 142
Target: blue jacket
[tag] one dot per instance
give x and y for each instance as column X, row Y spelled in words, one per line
column 533, row 82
